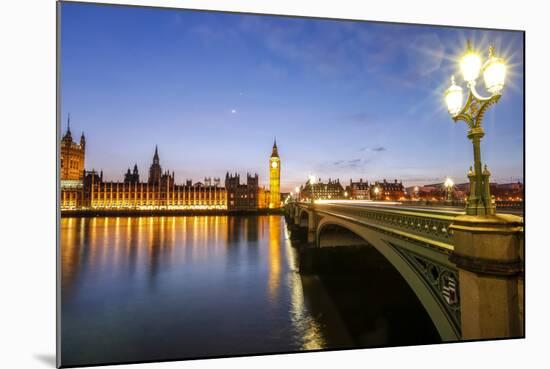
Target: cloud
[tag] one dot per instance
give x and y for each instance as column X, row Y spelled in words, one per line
column 350, row 163
column 375, row 149
column 363, row 118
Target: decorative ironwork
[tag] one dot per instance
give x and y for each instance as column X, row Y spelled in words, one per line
column 442, row 281
column 431, row 226
column 472, row 112
column 426, row 226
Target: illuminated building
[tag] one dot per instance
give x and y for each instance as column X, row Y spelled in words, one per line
column 358, row 190
column 245, row 197
column 388, row 190
column 71, row 168
column 160, row 191
column 332, row 190
column 72, row 156
column 264, row 198
column 275, row 178
column 164, row 195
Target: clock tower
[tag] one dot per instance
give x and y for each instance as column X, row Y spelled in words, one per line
column 274, row 178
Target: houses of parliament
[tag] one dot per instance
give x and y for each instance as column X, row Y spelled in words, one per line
column 83, row 190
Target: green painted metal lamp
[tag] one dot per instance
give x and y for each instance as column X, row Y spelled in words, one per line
column 480, row 201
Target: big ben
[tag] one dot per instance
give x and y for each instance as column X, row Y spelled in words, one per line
column 274, row 178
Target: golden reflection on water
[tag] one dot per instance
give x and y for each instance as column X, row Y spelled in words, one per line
column 97, row 251
column 274, row 256
column 312, row 335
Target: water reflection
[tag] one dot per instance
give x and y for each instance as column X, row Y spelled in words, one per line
column 177, row 287
column 274, row 256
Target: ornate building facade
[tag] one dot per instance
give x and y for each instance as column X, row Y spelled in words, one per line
column 275, row 178
column 72, row 156
column 159, row 191
column 164, row 195
column 358, row 190
column 132, row 176
column 245, row 197
column 385, row 190
column 331, row 190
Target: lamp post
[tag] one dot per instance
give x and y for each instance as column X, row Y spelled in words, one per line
column 376, row 192
column 312, row 183
column 472, row 112
column 449, row 189
column 297, row 190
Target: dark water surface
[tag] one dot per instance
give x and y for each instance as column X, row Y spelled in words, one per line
column 157, row 288
column 167, row 288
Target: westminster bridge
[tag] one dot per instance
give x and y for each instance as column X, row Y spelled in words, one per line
column 466, row 271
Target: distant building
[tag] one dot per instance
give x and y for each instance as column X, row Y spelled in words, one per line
column 275, row 178
column 358, row 190
column 508, row 191
column 387, row 190
column 71, row 168
column 144, row 196
column 88, row 190
column 264, row 198
column 460, row 191
column 331, row 190
column 159, row 192
column 132, row 177
column 248, row 196
column 208, row 181
column 72, row 157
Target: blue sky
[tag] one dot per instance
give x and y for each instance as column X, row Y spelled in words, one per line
column 344, row 99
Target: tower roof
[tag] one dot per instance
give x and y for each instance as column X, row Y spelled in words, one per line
column 68, row 135
column 156, row 156
column 274, row 152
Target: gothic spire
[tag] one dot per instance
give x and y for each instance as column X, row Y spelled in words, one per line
column 156, row 156
column 274, row 152
column 68, row 136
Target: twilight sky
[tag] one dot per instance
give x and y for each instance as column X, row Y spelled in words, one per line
column 344, row 99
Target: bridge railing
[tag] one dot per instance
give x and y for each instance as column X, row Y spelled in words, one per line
column 426, row 225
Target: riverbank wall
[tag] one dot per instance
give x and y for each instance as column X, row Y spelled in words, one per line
column 161, row 212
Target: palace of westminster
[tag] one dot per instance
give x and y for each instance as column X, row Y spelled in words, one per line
column 86, row 190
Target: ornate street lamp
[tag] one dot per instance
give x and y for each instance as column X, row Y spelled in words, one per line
column 312, row 183
column 376, row 192
column 472, row 112
column 449, row 187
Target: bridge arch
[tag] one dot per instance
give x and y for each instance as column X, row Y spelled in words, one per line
column 352, row 233
column 304, row 218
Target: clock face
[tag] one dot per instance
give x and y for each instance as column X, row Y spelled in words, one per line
column 274, row 164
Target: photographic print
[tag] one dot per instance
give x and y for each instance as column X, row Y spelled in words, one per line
column 241, row 184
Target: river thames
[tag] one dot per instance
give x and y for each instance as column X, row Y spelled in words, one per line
column 164, row 288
